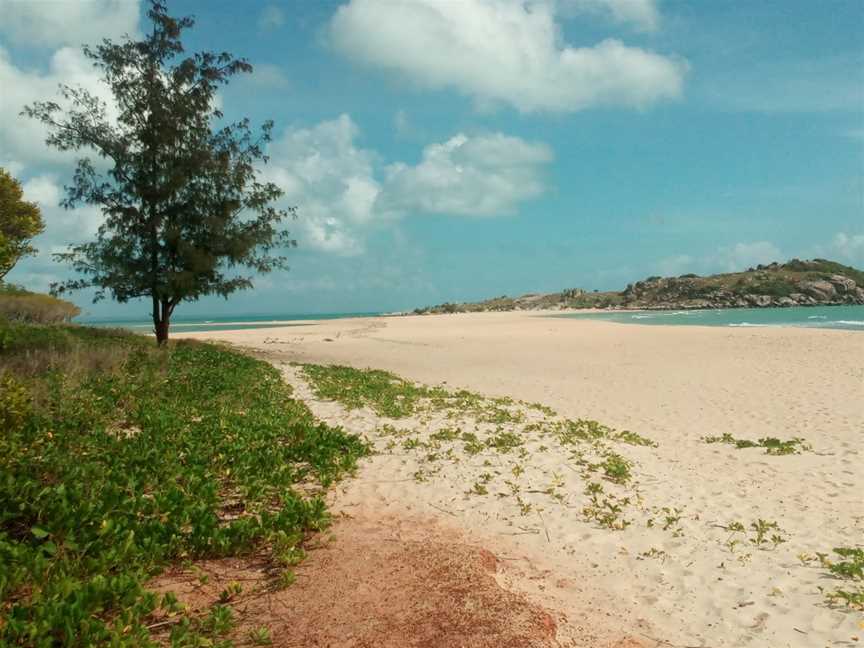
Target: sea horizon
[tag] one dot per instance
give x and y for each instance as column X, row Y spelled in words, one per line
column 221, row 322
column 840, row 317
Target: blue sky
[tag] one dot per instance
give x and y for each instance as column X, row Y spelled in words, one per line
column 460, row 149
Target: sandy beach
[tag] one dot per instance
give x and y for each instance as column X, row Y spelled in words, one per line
column 676, row 572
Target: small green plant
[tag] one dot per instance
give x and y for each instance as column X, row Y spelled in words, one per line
column 616, row 468
column 671, row 518
column 232, row 590
column 849, row 568
column 632, row 438
column 504, row 441
column 286, row 579
column 260, row 636
column 446, row 434
column 772, row 446
column 220, row 621
column 761, row 530
column 478, row 488
column 472, row 444
column 605, row 509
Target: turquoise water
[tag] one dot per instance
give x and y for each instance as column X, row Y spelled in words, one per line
column 221, row 323
column 849, row 318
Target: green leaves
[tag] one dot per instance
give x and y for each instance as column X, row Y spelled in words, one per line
column 20, row 221
column 118, row 459
column 772, row 446
column 39, row 532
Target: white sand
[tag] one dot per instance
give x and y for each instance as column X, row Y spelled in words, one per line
column 671, row 384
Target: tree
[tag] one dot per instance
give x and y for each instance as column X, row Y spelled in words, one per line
column 20, row 221
column 185, row 214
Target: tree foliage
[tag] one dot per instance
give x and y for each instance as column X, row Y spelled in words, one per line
column 20, row 221
column 185, row 212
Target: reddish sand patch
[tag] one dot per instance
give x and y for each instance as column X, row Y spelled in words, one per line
column 365, row 589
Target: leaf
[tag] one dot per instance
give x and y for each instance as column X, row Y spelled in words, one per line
column 39, row 532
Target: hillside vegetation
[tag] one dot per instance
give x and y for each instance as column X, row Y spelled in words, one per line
column 796, row 283
column 19, row 305
column 119, row 459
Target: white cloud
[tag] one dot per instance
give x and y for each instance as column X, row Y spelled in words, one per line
column 849, row 247
column 23, row 138
column 643, row 14
column 342, row 192
column 271, row 17
column 484, row 175
column 509, row 51
column 62, row 226
column 321, row 170
column 52, row 23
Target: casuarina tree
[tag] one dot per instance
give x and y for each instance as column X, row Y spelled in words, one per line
column 186, row 213
column 20, row 221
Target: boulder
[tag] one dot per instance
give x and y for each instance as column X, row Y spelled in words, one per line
column 820, row 289
column 843, row 285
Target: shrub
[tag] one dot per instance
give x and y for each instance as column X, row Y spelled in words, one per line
column 118, row 459
column 19, row 305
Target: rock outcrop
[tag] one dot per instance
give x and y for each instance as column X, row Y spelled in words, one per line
column 818, row 282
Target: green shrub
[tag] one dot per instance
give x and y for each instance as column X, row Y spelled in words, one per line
column 107, row 475
column 19, row 305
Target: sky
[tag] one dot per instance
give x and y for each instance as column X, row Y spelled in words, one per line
column 454, row 150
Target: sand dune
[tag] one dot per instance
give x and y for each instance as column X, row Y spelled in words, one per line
column 693, row 583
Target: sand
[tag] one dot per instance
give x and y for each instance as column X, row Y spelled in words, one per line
column 693, row 583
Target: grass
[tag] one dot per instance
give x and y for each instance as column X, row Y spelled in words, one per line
column 119, row 459
column 772, row 446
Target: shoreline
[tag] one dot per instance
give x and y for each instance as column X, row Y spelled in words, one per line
column 206, row 326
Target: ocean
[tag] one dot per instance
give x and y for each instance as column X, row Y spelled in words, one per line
column 849, row 318
column 220, row 323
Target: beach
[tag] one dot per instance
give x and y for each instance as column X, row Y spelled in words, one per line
column 673, row 567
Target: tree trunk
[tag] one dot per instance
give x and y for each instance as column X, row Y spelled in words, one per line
column 161, row 328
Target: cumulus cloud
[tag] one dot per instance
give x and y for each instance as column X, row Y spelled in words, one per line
column 22, row 139
column 62, row 226
column 343, row 190
column 321, row 169
column 503, row 51
column 54, row 23
column 486, row 175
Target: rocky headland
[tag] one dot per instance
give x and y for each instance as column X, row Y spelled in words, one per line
column 816, row 282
